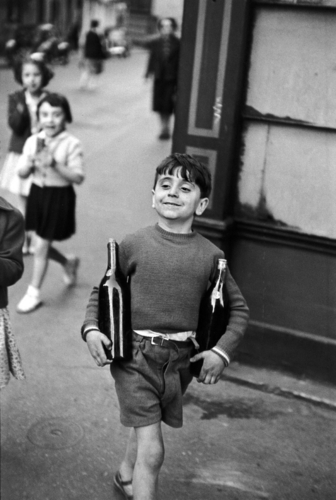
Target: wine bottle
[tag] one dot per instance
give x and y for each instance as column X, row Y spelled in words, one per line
column 213, row 316
column 114, row 307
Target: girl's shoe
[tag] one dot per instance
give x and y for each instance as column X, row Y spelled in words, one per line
column 119, row 483
column 30, row 302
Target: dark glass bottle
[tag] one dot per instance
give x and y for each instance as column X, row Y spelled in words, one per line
column 213, row 316
column 114, row 307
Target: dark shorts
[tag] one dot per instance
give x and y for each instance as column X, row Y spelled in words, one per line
column 150, row 386
column 51, row 212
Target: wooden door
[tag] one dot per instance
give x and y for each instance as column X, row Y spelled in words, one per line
column 209, row 93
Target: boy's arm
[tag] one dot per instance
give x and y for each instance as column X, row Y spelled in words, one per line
column 218, row 358
column 90, row 331
column 238, row 319
column 91, row 314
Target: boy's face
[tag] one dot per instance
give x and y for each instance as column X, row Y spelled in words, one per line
column 177, row 200
column 52, row 119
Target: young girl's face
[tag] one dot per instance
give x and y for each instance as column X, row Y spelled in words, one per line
column 32, row 78
column 52, row 119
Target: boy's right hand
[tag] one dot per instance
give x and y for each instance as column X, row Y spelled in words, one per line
column 95, row 340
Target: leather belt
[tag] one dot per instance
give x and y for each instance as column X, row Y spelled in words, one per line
column 162, row 342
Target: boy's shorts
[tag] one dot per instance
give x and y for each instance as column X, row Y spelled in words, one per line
column 150, row 386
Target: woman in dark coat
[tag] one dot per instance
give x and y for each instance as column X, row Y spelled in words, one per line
column 163, row 66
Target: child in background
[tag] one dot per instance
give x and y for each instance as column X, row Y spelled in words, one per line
column 169, row 267
column 11, row 269
column 33, row 75
column 55, row 159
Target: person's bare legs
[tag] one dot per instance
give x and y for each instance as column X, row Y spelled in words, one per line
column 43, row 252
column 127, row 465
column 22, row 205
column 165, row 126
column 149, row 460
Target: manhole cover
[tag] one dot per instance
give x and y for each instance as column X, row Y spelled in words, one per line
column 55, row 433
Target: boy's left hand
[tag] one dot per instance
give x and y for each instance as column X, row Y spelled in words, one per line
column 213, row 367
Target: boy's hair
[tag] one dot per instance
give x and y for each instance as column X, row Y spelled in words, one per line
column 192, row 170
column 46, row 72
column 57, row 101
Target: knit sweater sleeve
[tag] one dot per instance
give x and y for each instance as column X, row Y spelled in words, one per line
column 238, row 319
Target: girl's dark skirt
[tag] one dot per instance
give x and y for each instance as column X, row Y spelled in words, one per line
column 164, row 94
column 51, row 212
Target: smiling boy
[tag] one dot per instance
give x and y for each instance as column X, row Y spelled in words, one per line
column 169, row 267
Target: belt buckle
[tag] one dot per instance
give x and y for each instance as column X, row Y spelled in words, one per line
column 157, row 343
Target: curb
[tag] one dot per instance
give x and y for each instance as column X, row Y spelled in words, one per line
column 286, row 393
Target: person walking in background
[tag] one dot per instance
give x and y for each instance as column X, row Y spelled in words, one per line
column 11, row 269
column 55, row 158
column 94, row 55
column 34, row 76
column 163, row 67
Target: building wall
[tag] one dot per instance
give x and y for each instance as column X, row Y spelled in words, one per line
column 284, row 246
column 288, row 159
column 256, row 103
column 168, row 8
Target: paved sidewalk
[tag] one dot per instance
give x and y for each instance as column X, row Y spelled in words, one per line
column 283, row 384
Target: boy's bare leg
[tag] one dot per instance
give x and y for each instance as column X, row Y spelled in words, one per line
column 150, row 455
column 127, row 465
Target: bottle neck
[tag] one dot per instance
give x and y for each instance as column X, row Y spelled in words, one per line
column 111, row 257
column 217, row 293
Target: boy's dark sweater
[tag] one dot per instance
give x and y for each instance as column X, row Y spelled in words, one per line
column 169, row 273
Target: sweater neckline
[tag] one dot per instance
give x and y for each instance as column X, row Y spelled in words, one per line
column 176, row 237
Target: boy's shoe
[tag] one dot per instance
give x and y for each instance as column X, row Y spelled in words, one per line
column 119, row 483
column 70, row 271
column 30, row 302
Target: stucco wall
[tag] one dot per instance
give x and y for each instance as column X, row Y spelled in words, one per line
column 288, row 168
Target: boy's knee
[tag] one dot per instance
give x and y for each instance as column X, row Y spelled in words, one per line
column 154, row 458
column 151, row 454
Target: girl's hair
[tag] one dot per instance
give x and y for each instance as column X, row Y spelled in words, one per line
column 57, row 101
column 190, row 169
column 171, row 19
column 46, row 72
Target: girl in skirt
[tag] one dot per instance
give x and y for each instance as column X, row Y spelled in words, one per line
column 33, row 75
column 55, row 159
